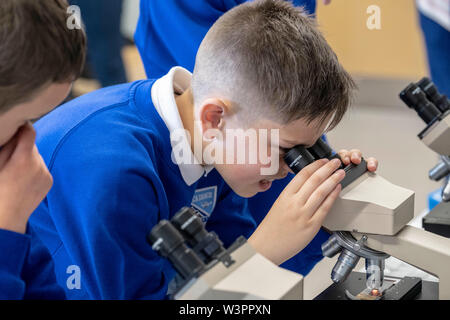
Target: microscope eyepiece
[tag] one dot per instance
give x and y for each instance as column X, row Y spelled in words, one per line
column 432, row 93
column 206, row 245
column 415, row 98
column 321, row 150
column 297, row 158
column 169, row 243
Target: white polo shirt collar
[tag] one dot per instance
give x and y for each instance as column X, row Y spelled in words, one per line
column 163, row 97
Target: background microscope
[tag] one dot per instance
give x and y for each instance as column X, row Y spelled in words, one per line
column 434, row 109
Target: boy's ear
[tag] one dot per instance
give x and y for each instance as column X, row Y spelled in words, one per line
column 211, row 115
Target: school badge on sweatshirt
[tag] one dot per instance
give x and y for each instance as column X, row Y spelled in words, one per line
column 204, row 201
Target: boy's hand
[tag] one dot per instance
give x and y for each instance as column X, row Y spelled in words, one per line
column 297, row 215
column 24, row 180
column 354, row 156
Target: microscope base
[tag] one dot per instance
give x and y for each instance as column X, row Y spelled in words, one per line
column 438, row 220
column 407, row 288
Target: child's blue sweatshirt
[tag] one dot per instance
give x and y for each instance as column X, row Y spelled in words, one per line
column 26, row 268
column 169, row 32
column 110, row 156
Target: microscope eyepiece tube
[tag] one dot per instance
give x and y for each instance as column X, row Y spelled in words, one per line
column 206, row 244
column 321, row 150
column 345, row 264
column 415, row 98
column 432, row 93
column 190, row 225
column 297, row 158
column 374, row 273
column 169, row 243
column 331, row 247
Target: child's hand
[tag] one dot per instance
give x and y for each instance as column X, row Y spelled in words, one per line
column 297, row 215
column 354, row 156
column 24, row 180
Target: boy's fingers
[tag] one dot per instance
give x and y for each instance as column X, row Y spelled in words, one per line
column 300, row 178
column 355, row 156
column 325, row 207
column 372, row 164
column 26, row 138
column 323, row 191
column 344, row 155
column 317, row 179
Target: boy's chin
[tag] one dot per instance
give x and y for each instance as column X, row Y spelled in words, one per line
column 249, row 191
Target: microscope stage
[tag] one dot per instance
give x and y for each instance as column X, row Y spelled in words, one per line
column 408, row 288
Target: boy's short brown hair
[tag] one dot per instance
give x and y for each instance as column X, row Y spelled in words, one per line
column 269, row 57
column 36, row 48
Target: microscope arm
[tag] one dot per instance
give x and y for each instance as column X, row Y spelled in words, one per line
column 422, row 249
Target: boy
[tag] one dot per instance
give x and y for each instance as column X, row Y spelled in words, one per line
column 122, row 158
column 39, row 59
column 162, row 48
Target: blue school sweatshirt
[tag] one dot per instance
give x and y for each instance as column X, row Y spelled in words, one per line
column 110, row 156
column 26, row 268
column 169, row 32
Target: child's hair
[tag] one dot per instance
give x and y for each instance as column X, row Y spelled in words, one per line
column 269, row 58
column 36, row 48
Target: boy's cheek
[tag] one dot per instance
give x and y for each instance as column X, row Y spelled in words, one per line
column 242, row 178
column 6, row 133
column 240, row 172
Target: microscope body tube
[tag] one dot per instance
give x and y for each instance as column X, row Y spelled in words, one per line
column 169, row 243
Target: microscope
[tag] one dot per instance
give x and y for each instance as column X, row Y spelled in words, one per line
column 434, row 109
column 208, row 271
column 369, row 220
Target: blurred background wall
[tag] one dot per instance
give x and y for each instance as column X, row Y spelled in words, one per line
column 394, row 51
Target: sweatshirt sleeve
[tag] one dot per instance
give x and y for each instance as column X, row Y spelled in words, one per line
column 39, row 272
column 14, row 248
